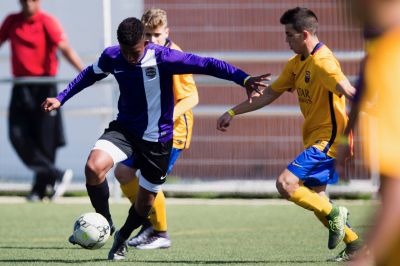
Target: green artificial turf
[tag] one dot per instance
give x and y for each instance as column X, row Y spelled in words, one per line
column 239, row 234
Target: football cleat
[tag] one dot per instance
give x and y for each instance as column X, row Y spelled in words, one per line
column 349, row 252
column 119, row 248
column 155, row 241
column 336, row 224
column 141, row 237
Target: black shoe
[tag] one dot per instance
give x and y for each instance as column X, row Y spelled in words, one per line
column 119, row 248
column 34, row 197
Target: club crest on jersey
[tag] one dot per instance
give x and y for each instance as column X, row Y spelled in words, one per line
column 307, row 77
column 151, row 72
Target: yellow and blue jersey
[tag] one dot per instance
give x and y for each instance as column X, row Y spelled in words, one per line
column 380, row 92
column 183, row 86
column 323, row 107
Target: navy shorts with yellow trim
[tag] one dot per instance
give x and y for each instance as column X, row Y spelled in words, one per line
column 314, row 168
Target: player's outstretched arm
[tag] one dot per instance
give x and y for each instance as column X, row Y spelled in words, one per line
column 185, row 63
column 50, row 104
column 256, row 102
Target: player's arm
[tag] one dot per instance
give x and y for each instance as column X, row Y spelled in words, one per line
column 185, row 93
column 268, row 96
column 4, row 29
column 185, row 104
column 70, row 55
column 344, row 149
column 344, row 87
column 333, row 79
column 185, row 63
column 86, row 78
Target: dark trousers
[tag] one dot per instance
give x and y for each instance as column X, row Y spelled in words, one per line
column 34, row 134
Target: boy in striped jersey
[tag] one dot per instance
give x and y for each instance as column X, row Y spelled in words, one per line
column 144, row 124
column 315, row 74
column 153, row 233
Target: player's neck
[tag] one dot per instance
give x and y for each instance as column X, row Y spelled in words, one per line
column 309, row 47
column 28, row 14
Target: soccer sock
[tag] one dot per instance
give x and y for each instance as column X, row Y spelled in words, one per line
column 311, row 200
column 158, row 215
column 130, row 189
column 133, row 221
column 99, row 195
column 349, row 236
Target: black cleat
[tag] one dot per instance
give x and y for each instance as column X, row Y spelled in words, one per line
column 119, row 248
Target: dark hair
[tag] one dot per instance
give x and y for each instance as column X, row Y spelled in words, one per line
column 130, row 31
column 301, row 18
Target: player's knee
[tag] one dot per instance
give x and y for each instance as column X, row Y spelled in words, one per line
column 122, row 174
column 95, row 171
column 286, row 186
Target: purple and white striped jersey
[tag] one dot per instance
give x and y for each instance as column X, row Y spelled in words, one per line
column 146, row 102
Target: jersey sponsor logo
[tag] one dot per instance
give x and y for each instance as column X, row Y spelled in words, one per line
column 117, row 71
column 307, row 76
column 295, row 164
column 151, row 72
column 163, row 177
column 304, row 96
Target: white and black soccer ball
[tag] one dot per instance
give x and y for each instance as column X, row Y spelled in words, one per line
column 91, row 230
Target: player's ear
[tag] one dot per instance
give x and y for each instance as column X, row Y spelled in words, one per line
column 306, row 34
column 167, row 31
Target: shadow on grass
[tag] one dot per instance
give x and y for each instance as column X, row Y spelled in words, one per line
column 221, row 262
column 56, row 248
column 52, row 261
column 196, row 262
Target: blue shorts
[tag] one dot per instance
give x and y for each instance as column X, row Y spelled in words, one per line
column 314, row 168
column 130, row 162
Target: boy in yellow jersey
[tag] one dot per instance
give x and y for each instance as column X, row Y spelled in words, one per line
column 377, row 95
column 315, row 74
column 153, row 233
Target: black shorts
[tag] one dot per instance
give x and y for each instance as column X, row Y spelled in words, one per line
column 152, row 158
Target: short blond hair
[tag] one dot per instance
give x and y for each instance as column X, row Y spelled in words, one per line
column 154, row 18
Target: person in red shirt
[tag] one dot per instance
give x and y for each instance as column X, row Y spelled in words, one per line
column 35, row 37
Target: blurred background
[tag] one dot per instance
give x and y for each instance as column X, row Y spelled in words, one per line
column 257, row 146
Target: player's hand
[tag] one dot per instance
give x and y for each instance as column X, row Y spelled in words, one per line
column 223, row 122
column 50, row 104
column 254, row 85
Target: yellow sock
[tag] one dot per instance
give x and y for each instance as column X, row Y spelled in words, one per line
column 349, row 234
column 158, row 214
column 130, row 189
column 311, row 200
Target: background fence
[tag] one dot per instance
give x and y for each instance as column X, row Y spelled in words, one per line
column 245, row 33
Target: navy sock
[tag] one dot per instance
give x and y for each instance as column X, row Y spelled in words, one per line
column 133, row 221
column 99, row 195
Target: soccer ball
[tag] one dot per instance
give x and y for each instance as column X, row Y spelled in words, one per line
column 91, row 230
